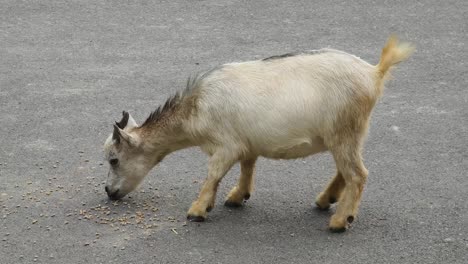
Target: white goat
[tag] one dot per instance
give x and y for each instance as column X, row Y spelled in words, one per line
column 282, row 107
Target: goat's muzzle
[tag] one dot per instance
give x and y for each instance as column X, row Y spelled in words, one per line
column 113, row 195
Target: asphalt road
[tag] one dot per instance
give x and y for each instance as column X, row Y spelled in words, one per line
column 67, row 70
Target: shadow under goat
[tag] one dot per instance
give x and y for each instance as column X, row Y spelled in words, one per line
column 283, row 107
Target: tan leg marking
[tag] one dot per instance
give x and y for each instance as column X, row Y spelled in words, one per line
column 219, row 165
column 244, row 187
column 332, row 192
column 349, row 163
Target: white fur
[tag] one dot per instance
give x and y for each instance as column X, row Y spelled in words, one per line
column 279, row 108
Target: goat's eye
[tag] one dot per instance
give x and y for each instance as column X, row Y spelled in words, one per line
column 113, row 162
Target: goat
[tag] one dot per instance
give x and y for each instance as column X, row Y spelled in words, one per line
column 283, row 107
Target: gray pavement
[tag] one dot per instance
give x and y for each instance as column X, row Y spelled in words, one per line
column 68, row 69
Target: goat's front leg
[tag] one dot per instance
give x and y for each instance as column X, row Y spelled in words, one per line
column 244, row 187
column 219, row 165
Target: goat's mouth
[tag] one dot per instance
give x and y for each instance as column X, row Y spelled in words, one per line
column 115, row 195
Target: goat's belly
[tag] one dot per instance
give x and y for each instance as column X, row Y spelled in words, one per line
column 299, row 149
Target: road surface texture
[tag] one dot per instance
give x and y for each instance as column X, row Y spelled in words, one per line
column 68, row 69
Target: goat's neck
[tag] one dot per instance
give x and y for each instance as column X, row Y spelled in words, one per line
column 166, row 137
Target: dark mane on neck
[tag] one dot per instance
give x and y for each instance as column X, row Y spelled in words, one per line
column 168, row 107
column 173, row 102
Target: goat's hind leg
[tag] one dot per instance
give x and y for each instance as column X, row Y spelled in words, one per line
column 349, row 162
column 332, row 192
column 244, row 187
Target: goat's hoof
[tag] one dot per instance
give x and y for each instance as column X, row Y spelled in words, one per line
column 209, row 208
column 350, row 219
column 332, row 200
column 247, row 196
column 337, row 230
column 339, row 224
column 195, row 218
column 322, row 208
column 232, row 204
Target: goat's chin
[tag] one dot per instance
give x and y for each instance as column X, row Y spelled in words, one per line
column 124, row 194
column 116, row 198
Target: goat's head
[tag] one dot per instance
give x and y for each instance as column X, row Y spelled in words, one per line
column 128, row 157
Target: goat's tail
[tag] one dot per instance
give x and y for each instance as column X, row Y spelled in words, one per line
column 393, row 53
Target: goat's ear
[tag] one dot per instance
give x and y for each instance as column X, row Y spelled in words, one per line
column 120, row 136
column 116, row 134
